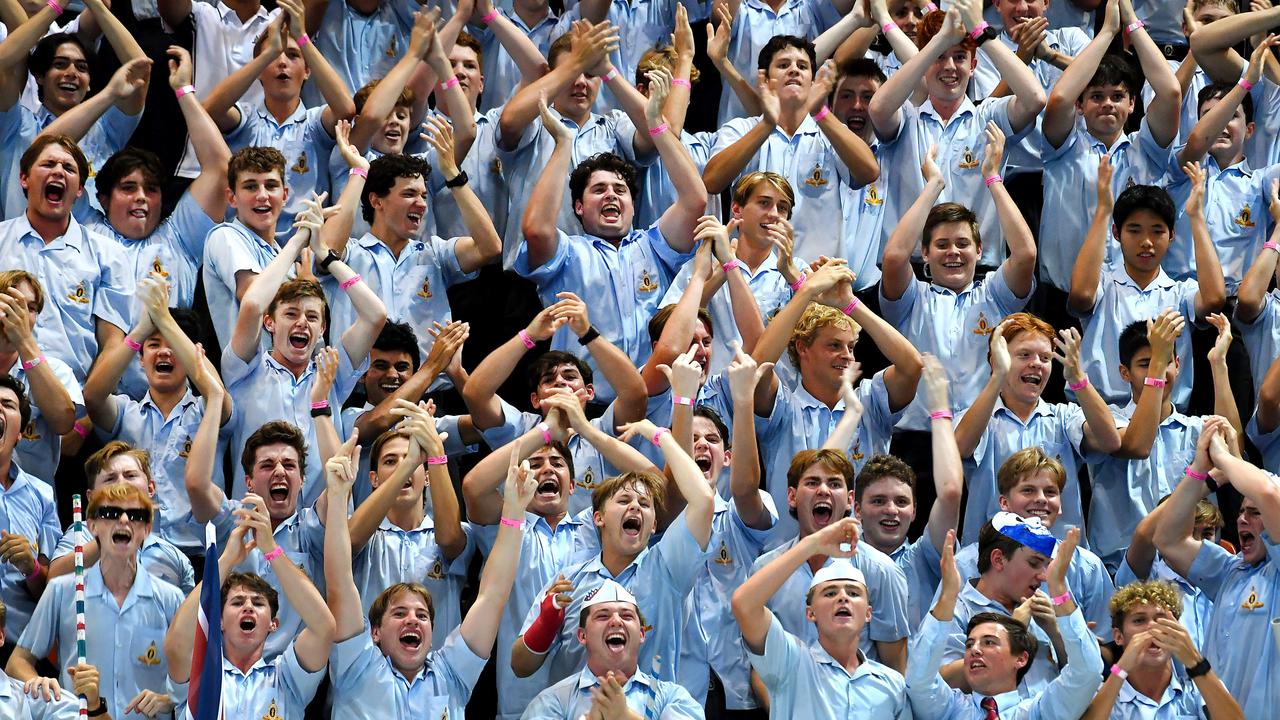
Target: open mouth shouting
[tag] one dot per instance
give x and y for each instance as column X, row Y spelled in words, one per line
column 1247, row 541
column 411, row 640
column 822, row 513
column 549, row 490
column 703, row 459
column 55, row 191
column 1032, row 379
column 164, row 367
column 248, row 624
column 616, row 640
column 632, row 525
column 414, row 219
column 279, row 492
column 611, row 212
column 299, row 340
column 121, row 538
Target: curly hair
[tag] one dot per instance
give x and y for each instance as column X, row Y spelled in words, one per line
column 1161, row 593
column 816, row 317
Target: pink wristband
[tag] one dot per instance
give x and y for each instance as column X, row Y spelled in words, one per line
column 1196, row 474
column 1119, row 672
column 276, row 552
column 33, row 362
column 930, row 7
column 489, row 16
column 613, row 73
column 184, row 90
column 524, row 338
column 1078, row 386
column 682, row 82
column 362, row 172
column 1271, row 245
column 853, row 304
column 940, row 415
column 57, row 9
column 35, row 571
column 681, row 400
column 512, row 522
column 80, row 430
column 656, row 131
column 657, row 436
column 977, row 29
column 438, row 460
column 320, row 405
column 546, row 433
column 994, row 179
column 132, row 344
column 818, row 116
column 1245, row 84
column 1154, row 382
column 795, row 286
column 1134, row 26
column 451, row 83
column 1061, row 599
column 303, row 40
column 346, row 284
column 734, row 263
column 887, row 27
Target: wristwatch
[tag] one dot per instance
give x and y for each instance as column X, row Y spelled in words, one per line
column 458, row 180
column 327, row 260
column 1200, row 668
column 988, row 33
column 100, row 710
column 591, row 334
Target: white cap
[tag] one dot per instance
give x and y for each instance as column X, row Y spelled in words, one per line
column 838, row 569
column 609, row 592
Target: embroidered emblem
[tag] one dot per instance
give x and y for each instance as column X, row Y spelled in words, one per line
column 272, row 712
column 437, row 571
column 646, row 283
column 300, row 166
column 815, row 178
column 495, row 167
column 1245, row 218
column 157, row 268
column 425, row 292
column 79, row 295
column 185, row 452
column 857, row 450
column 1252, row 602
column 968, row 161
column 983, row 328
column 391, row 49
column 723, row 556
column 1130, row 183
column 151, row 657
column 873, row 196
column 29, row 432
column 588, row 481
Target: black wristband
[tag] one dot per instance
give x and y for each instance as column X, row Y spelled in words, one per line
column 1200, row 668
column 100, row 710
column 317, row 412
column 458, row 180
column 327, row 260
column 988, row 33
column 591, row 334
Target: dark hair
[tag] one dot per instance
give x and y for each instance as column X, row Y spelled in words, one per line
column 189, row 323
column 256, row 160
column 383, row 601
column 1143, row 197
column 24, row 403
column 297, row 289
column 949, row 212
column 607, row 162
column 276, row 432
column 1132, row 339
column 658, row 322
column 565, row 454
column 705, row 411
column 119, row 166
column 41, row 59
column 65, row 142
column 558, row 47
column 1219, row 91
column 989, row 539
column 399, row 337
column 1020, row 638
column 383, row 173
column 1114, row 70
column 862, row 67
column 777, row 43
column 406, row 98
column 552, row 359
column 254, row 584
column 883, row 466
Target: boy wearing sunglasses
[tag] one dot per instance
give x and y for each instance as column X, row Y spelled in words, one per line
column 129, row 612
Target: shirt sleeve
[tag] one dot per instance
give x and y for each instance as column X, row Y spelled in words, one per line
column 889, row 622
column 456, row 662
column 295, row 680
column 680, row 555
column 113, row 297
column 551, row 270
column 781, row 656
column 1211, row 567
column 669, row 258
column 445, row 255
column 190, row 227
column 242, row 133
column 931, row 697
column 1069, row 694
column 896, row 312
column 40, row 634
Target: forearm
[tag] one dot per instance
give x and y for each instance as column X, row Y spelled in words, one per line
column 303, row 596
column 79, row 120
column 698, row 495
column 340, row 584
column 1100, row 427
column 211, row 148
column 263, row 288
column 897, row 90
column 1060, row 114
column 1178, row 520
column 754, row 594
column 1224, row 399
column 522, row 110
column 1253, row 288
column 1218, row 702
column 539, row 223
column 1255, row 484
column 49, row 395
column 481, row 392
column 206, row 498
column 676, row 108
column 1028, row 94
column 485, row 244
column 479, row 488
column 12, row 15
column 1164, row 108
column 369, row 514
column 1211, row 125
column 222, row 99
column 633, row 104
column 841, row 438
column 15, row 48
column 746, row 313
column 1087, row 271
column 335, row 233
column 480, row 626
column 622, row 376
column 620, row 455
column 382, row 101
column 744, row 468
column 679, row 220
column 676, row 335
column 744, row 90
column 528, row 59
column 1213, row 289
column 846, row 29
column 180, row 639
column 332, row 88
column 122, row 41
column 948, row 480
column 725, row 165
column 366, row 303
column 379, row 420
column 1021, row 264
column 22, row 665
column 852, row 150
column 897, row 272
column 973, row 425
column 445, row 511
column 1140, row 434
column 778, row 332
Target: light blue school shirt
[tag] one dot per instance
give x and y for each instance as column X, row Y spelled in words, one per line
column 412, row 287
column 363, row 47
column 20, row 126
column 886, row 592
column 768, row 287
column 1261, row 337
column 264, row 390
column 804, row 681
column 229, row 248
column 1181, row 700
column 1119, row 302
column 956, row 328
column 1190, row 113
column 453, row 446
column 644, row 24
column 953, row 635
column 484, row 177
column 961, row 143
column 125, row 641
column 661, row 577
column 303, row 140
column 1071, row 195
column 808, row 161
column 1163, row 21
column 543, row 552
column 159, row 557
column 1056, row 429
column 1235, row 208
column 16, row 705
column 1087, row 577
column 864, row 238
column 85, row 279
column 920, row 562
column 646, row 696
column 1266, row 443
column 275, row 687
column 1243, row 651
column 39, row 447
column 656, row 191
column 367, row 685
column 622, row 285
column 756, row 24
column 714, row 395
column 394, row 555
column 26, row 508
column 799, row 421
column 1262, row 149
column 1065, row 697
column 1197, row 608
column 1125, row 490
column 713, row 640
column 501, row 74
column 168, row 439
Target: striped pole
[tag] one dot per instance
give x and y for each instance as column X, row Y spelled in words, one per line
column 78, row 529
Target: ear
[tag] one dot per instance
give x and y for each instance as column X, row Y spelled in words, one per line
column 577, row 208
column 791, row 497
column 582, row 637
column 231, row 196
column 374, row 633
column 1022, row 660
column 1125, row 374
column 1004, row 503
column 1117, row 637
column 808, row 614
column 736, row 209
column 533, row 400
column 590, row 391
column 598, row 518
column 1248, row 130
column 997, row 559
column 728, row 458
column 23, row 180
column 275, row 625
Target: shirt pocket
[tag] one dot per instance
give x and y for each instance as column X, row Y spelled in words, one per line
column 146, row 656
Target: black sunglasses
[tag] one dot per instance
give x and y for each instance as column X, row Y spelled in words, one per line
column 111, row 512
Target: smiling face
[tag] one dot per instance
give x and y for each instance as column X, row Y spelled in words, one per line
column 388, row 370
column 820, row 497
column 612, row 635
column 1249, row 529
column 1230, row 142
column 606, row 207
column 766, row 207
column 296, row 327
column 246, row 620
column 121, row 537
column 948, row 76
column 67, row 82
column 627, row 520
column 824, row 360
column 839, row 608
column 952, row 255
column 258, row 199
column 555, row 483
column 277, row 478
column 283, row 78
column 1139, row 618
column 1106, row 109
column 1035, row 495
column 887, row 510
column 391, row 139
column 404, row 632
column 853, row 102
column 989, row 663
column 53, row 184
column 133, row 207
column 1144, row 241
column 400, row 212
column 1031, row 359
column 790, row 75
column 390, row 455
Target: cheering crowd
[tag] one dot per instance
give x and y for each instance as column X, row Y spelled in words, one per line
column 841, row 359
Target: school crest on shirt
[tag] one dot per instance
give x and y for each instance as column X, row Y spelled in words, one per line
column 29, row 432
column 391, row 49
column 588, row 481
column 646, row 282
column 300, row 165
column 1245, row 218
column 437, row 571
column 157, row 268
column 425, row 292
column 873, row 196
column 151, row 656
column 495, row 167
column 816, row 178
column 857, row 450
column 185, row 452
column 1252, row 602
column 967, row 160
column 272, row 712
column 79, row 295
column 983, row 327
column 722, row 558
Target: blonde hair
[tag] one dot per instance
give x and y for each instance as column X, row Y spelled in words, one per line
column 1028, row 461
column 816, row 317
column 747, row 184
column 14, row 278
column 1161, row 593
column 651, row 484
column 117, row 492
column 660, row 57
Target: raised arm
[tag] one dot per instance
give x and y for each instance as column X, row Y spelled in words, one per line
column 14, row 51
column 482, row 245
column 1100, row 433
column 481, row 390
column 127, row 50
column 678, row 332
column 1214, row 121
column 204, row 491
column 1224, row 399
column 614, row 365
column 678, row 221
column 221, row 102
column 973, row 425
column 1175, row 540
column 1140, row 435
column 1253, row 482
column 886, row 106
column 1087, row 272
column 340, row 584
column 1164, row 110
column 369, row 514
column 479, row 487
column 1212, row 293
column 1020, row 267
column 858, row 22
column 212, row 153
column 248, row 329
column 1028, row 94
column 615, row 451
column 698, row 495
column 744, row 468
column 339, row 104
column 382, row 100
column 46, row 391
column 371, row 314
column 180, row 639
column 727, row 164
column 905, row 365
column 719, row 33
column 897, row 273
column 336, row 231
column 842, row 437
column 444, row 501
column 852, row 150
column 527, row 57
column 449, row 342
column 948, row 469
column 1253, row 288
column 541, row 234
column 127, row 84
column 1060, row 113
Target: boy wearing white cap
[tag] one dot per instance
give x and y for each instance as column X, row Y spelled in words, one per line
column 611, row 628
column 832, row 677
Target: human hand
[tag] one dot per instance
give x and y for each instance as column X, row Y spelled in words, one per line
column 180, row 72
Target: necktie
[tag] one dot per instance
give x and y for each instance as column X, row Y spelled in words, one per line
column 989, row 705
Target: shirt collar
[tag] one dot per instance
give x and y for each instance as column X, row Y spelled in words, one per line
column 94, row 586
column 1004, row 701
column 187, row 400
column 1161, row 281
column 259, row 666
column 588, row 679
column 1042, row 408
column 1130, row 694
column 935, row 287
column 973, row 597
column 966, row 106
column 809, row 402
column 227, row 13
column 298, row 115
column 426, row 524
column 71, row 237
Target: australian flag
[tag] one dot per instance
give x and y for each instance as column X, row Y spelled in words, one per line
column 204, row 694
